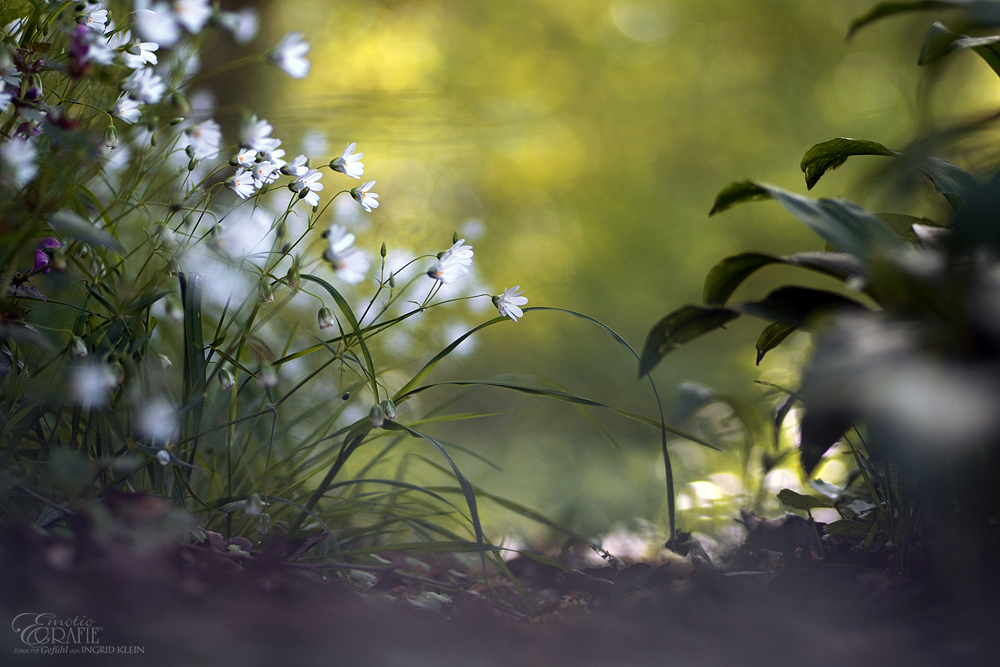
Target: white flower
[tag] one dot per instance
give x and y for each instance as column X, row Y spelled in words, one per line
column 192, row 14
column 139, row 54
column 145, row 85
column 241, row 183
column 510, row 301
column 15, row 28
column 349, row 164
column 296, row 167
column 274, row 154
column 368, row 200
column 350, row 264
column 9, row 74
column 18, row 162
column 308, row 180
column 90, row 384
column 158, row 24
column 243, row 24
column 453, row 263
column 245, row 158
column 126, row 108
column 204, row 139
column 96, row 19
column 158, row 421
column 265, row 172
column 257, row 135
column 290, row 55
column 163, row 457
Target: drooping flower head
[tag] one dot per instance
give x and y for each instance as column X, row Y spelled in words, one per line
column 349, row 263
column 349, row 164
column 126, row 108
column 510, row 301
column 204, row 139
column 145, row 85
column 368, row 200
column 453, row 263
column 290, row 54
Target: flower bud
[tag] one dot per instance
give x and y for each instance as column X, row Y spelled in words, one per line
column 192, row 164
column 163, row 456
column 292, row 278
column 226, row 380
column 454, row 237
column 77, row 348
column 389, row 408
column 253, row 506
column 346, row 396
column 111, row 137
column 377, row 415
column 325, row 318
column 165, row 361
column 392, row 280
column 177, row 121
column 267, row 375
column 297, row 186
column 382, row 251
column 264, row 523
column 266, row 293
column 152, row 140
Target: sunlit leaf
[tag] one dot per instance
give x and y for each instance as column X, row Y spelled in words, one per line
column 828, row 155
column 800, row 502
column 771, row 337
column 737, row 193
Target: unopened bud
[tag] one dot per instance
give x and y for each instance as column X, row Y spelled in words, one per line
column 377, row 415
column 292, row 278
column 152, row 140
column 163, row 456
column 346, row 396
column 392, row 280
column 111, row 137
column 177, row 121
column 266, row 293
column 253, row 506
column 382, row 251
column 264, row 523
column 389, row 408
column 226, row 380
column 77, row 348
column 454, row 237
column 325, row 318
column 192, row 164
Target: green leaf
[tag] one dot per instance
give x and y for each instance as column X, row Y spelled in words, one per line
column 737, row 193
column 950, row 180
column 71, row 225
column 795, row 306
column 890, row 8
column 846, row 527
column 771, row 337
column 800, row 502
column 727, row 275
column 941, row 42
column 821, row 430
column 679, row 327
column 326, row 528
column 828, row 155
column 844, row 225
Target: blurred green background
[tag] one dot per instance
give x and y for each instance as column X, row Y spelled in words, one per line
column 578, row 145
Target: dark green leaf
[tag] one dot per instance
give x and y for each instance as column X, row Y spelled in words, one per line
column 771, row 337
column 941, row 42
column 728, row 274
column 821, row 430
column 890, row 8
column 828, row 155
column 683, row 325
column 737, row 193
column 950, row 180
column 845, row 527
column 801, row 502
column 795, row 306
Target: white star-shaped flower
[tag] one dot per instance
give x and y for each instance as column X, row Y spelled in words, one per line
column 243, row 24
column 145, row 85
column 296, row 167
column 308, row 180
column 368, row 200
column 158, row 24
column 290, row 54
column 349, row 263
column 18, row 162
column 241, row 183
column 257, row 135
column 204, row 139
column 265, row 172
column 453, row 263
column 136, row 54
column 349, row 164
column 126, row 108
column 510, row 301
column 96, row 19
column 192, row 14
column 245, row 158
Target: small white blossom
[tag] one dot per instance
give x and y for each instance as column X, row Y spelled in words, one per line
column 265, row 172
column 290, row 54
column 368, row 200
column 243, row 24
column 349, row 164
column 158, row 421
column 245, row 158
column 192, row 14
column 204, row 139
column 90, row 384
column 18, row 162
column 257, row 135
column 350, row 264
column 145, row 85
column 96, row 19
column 126, row 108
column 241, row 183
column 308, row 180
column 510, row 301
column 163, row 457
column 296, row 167
column 274, row 154
column 453, row 263
column 158, row 24
column 137, row 55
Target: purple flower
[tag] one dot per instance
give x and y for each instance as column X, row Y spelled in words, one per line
column 41, row 256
